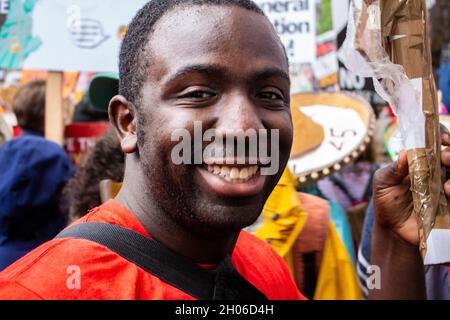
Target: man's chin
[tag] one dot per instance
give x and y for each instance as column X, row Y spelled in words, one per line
column 216, row 220
column 224, row 211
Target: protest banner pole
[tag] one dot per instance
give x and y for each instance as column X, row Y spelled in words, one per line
column 54, row 112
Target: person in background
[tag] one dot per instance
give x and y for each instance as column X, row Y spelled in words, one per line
column 86, row 112
column 444, row 84
column 440, row 24
column 33, row 172
column 94, row 105
column 29, row 108
column 105, row 161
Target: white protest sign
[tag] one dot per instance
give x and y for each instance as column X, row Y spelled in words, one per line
column 65, row 35
column 85, row 35
column 295, row 23
column 4, row 6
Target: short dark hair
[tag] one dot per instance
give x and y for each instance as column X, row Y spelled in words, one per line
column 29, row 106
column 132, row 68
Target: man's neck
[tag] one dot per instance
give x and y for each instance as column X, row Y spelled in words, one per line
column 161, row 227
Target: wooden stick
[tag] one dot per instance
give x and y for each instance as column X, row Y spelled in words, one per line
column 54, row 113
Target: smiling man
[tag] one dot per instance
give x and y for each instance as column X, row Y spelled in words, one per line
column 218, row 62
column 175, row 229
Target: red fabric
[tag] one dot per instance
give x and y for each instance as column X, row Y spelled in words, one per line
column 46, row 272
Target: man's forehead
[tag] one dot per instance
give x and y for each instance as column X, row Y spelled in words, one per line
column 214, row 34
column 187, row 17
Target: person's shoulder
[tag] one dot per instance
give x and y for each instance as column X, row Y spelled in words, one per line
column 14, row 279
column 113, row 212
column 258, row 250
column 249, row 240
column 34, row 147
column 11, row 290
column 44, row 145
column 51, row 270
column 262, row 266
column 54, row 270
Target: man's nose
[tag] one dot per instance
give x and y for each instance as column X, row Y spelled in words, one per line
column 239, row 113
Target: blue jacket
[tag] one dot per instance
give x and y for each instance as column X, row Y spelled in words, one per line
column 444, row 84
column 33, row 172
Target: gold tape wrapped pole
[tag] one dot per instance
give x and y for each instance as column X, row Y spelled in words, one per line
column 424, row 199
column 405, row 38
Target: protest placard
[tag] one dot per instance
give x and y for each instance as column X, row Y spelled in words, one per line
column 295, row 23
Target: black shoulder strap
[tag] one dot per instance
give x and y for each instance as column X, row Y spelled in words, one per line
column 158, row 260
column 148, row 254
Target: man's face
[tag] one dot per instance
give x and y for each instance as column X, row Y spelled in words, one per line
column 225, row 68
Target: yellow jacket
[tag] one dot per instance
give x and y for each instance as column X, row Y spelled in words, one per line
column 284, row 220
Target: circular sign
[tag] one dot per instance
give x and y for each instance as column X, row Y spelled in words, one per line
column 330, row 131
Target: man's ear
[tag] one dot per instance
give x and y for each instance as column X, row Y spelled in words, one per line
column 122, row 115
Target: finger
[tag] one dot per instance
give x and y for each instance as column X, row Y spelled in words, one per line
column 445, row 135
column 445, row 157
column 447, row 188
column 393, row 174
column 402, row 168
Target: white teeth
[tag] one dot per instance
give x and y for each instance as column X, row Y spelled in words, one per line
column 233, row 174
column 224, row 171
column 243, row 174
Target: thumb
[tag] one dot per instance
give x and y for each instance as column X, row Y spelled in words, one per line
column 394, row 173
column 402, row 165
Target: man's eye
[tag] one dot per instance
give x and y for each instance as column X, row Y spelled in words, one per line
column 198, row 95
column 269, row 95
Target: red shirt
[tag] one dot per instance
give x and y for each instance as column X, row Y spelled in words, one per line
column 51, row 271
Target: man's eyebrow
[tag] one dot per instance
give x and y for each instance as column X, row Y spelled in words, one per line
column 270, row 73
column 198, row 68
column 219, row 71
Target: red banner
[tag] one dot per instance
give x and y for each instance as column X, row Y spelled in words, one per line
column 81, row 137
